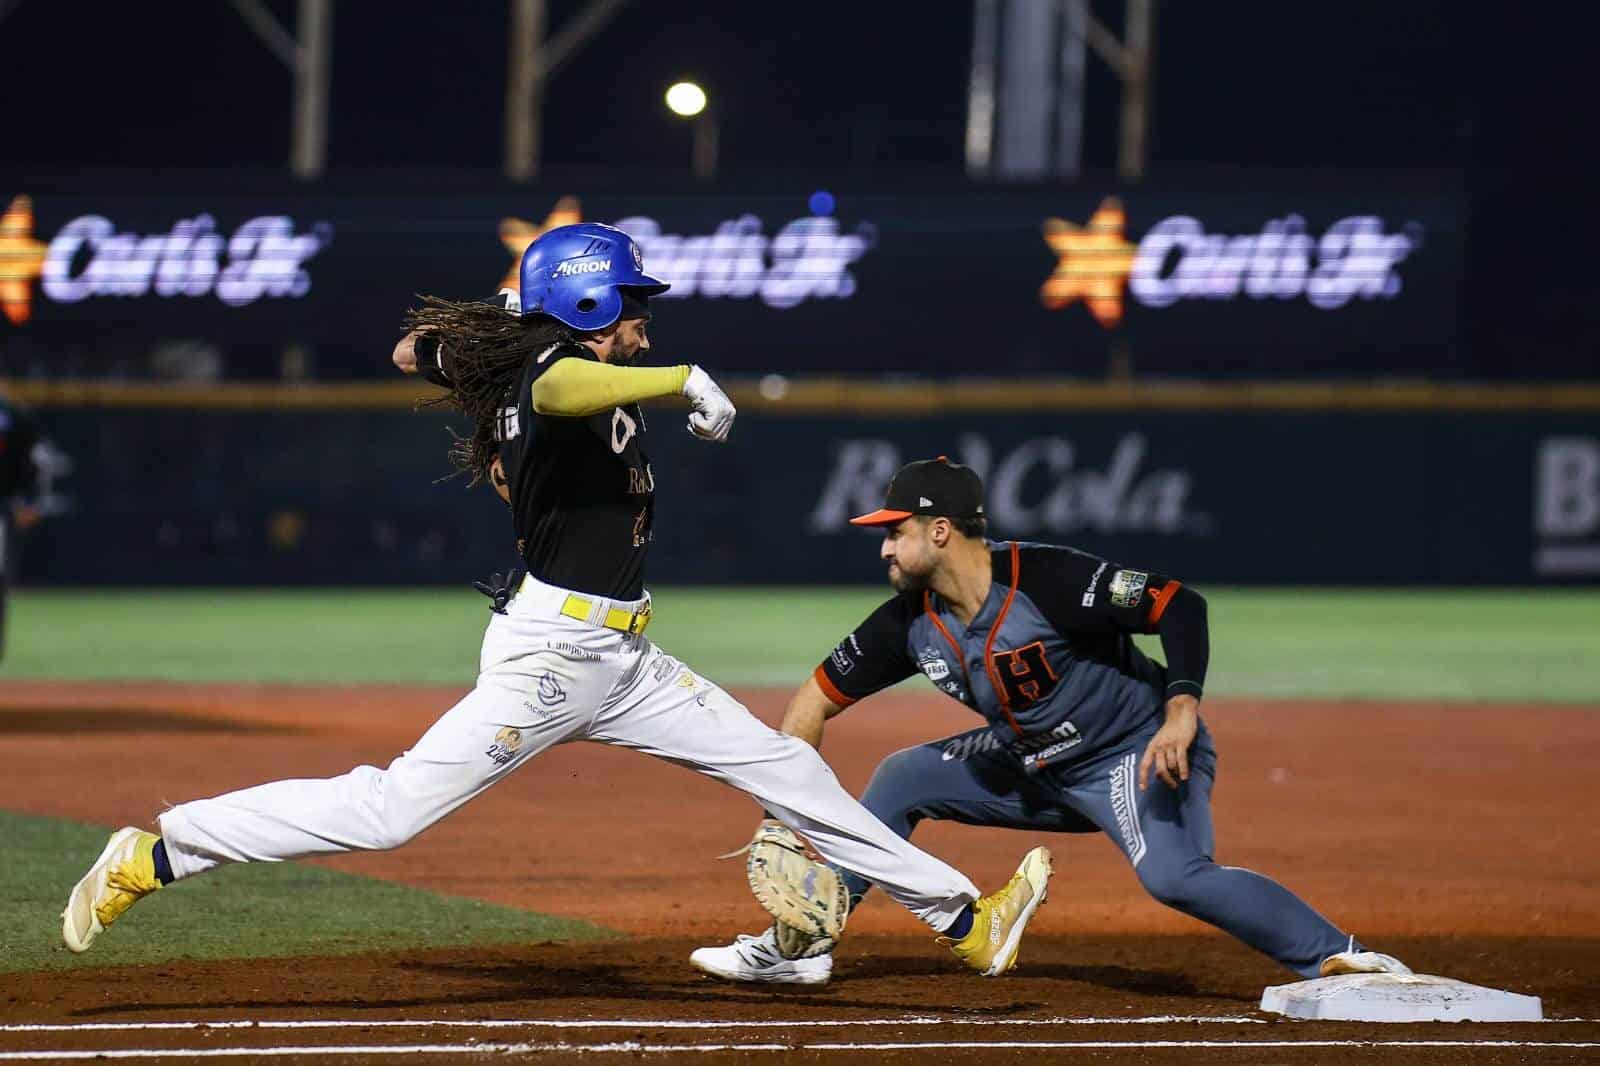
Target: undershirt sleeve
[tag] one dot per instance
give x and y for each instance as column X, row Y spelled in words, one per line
column 872, row 657
column 575, row 387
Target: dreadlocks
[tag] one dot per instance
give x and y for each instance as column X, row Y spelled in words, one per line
column 487, row 350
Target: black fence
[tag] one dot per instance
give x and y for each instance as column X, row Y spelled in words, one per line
column 340, row 497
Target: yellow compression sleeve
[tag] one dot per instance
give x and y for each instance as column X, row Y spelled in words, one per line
column 574, row 388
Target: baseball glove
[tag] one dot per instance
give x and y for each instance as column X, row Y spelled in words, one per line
column 806, row 899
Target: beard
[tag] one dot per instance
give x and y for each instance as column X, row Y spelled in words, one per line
column 903, row 581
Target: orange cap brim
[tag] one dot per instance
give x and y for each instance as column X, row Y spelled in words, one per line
column 880, row 518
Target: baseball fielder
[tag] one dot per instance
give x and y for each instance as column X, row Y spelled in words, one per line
column 554, row 395
column 1037, row 640
column 19, row 493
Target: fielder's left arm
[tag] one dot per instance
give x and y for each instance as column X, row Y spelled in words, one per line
column 809, row 711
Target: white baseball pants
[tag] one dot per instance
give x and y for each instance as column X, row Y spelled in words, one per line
column 547, row 679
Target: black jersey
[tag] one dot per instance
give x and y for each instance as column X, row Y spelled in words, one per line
column 1048, row 660
column 582, row 492
column 18, row 474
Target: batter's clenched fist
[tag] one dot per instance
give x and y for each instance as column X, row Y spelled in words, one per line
column 713, row 413
column 1168, row 751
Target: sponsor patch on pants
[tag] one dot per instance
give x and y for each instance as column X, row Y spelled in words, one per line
column 506, row 744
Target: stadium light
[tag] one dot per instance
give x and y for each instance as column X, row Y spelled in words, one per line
column 687, row 100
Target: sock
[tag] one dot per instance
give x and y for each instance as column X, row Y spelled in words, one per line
column 163, row 867
column 962, row 925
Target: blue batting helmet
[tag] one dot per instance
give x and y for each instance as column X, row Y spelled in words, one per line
column 572, row 274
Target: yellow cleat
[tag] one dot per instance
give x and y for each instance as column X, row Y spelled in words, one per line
column 998, row 920
column 124, row 873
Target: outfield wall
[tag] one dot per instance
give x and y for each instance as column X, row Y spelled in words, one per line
column 1437, row 492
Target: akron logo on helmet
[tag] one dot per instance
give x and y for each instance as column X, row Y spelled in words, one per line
column 569, row 268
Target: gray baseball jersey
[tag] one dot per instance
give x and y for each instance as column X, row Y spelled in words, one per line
column 1048, row 660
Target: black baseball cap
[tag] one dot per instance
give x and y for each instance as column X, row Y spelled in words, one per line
column 933, row 487
column 635, row 301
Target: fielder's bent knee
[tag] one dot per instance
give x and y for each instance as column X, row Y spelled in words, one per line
column 1174, row 887
column 904, row 769
column 899, row 786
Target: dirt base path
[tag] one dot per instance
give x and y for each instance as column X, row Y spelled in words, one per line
column 1098, row 998
column 1459, row 836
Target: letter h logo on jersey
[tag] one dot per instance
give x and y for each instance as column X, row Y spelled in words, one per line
column 1025, row 674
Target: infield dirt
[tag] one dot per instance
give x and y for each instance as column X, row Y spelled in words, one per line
column 1458, row 836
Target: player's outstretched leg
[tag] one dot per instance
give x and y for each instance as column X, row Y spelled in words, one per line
column 494, row 729
column 789, row 779
column 1167, row 835
column 989, row 946
column 963, row 778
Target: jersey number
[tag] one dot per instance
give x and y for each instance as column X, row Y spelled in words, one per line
column 506, row 426
column 622, row 430
column 1025, row 674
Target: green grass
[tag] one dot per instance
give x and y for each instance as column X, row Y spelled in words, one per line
column 268, row 910
column 1523, row 645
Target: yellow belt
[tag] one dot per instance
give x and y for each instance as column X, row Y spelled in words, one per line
column 630, row 622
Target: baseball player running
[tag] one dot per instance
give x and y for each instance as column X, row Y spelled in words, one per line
column 554, row 393
column 1037, row 640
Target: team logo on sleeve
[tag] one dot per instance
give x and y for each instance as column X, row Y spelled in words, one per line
column 1127, row 587
column 932, row 663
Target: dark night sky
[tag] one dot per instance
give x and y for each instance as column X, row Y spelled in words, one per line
column 1495, row 105
column 874, row 88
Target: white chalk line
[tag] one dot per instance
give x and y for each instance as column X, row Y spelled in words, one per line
column 637, row 1047
column 661, row 1023
column 611, row 1023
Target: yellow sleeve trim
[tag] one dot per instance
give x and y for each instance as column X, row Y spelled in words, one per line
column 575, row 388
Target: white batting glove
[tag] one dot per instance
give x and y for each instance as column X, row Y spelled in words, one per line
column 713, row 414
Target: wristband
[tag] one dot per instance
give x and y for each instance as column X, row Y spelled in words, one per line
column 430, row 359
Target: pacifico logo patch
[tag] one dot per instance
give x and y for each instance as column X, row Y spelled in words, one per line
column 551, row 694
column 1127, row 587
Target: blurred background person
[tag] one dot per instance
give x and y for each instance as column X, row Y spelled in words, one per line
column 19, row 493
